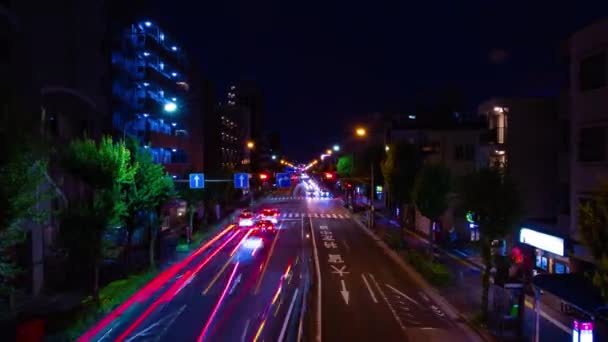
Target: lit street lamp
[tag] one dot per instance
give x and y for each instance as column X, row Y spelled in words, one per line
column 361, row 132
column 250, row 145
column 274, row 157
column 336, row 148
column 170, row 107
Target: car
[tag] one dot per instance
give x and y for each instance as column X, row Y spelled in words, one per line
column 271, row 215
column 245, row 219
column 264, row 226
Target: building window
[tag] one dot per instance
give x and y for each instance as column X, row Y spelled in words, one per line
column 592, row 144
column 592, row 72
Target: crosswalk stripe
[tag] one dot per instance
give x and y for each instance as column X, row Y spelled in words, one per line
column 340, row 216
column 316, row 215
column 297, row 214
column 334, row 216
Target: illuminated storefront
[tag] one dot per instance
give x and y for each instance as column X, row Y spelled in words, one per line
column 549, row 251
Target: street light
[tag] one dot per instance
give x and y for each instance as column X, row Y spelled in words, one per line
column 387, row 148
column 328, row 152
column 274, row 157
column 250, row 145
column 361, row 132
column 336, row 148
column 170, row 107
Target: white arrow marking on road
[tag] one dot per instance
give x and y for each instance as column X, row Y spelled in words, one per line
column 344, row 292
column 196, row 179
column 402, row 294
column 341, row 271
column 371, row 293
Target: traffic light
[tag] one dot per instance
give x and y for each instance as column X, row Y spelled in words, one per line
column 329, row 175
column 263, row 176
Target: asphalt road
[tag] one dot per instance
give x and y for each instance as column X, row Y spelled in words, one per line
column 227, row 291
column 365, row 296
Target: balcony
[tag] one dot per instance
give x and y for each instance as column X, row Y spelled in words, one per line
column 169, row 141
column 165, row 54
column 163, row 80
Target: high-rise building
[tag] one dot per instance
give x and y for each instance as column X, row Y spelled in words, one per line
column 151, row 89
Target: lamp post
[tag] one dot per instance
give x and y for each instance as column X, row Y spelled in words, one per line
column 362, row 132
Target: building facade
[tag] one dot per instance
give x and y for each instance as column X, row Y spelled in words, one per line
column 588, row 99
column 152, row 96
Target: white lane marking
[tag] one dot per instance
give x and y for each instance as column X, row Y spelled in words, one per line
column 546, row 316
column 318, row 269
column 371, row 293
column 158, row 337
column 245, row 331
column 402, row 294
column 397, row 318
column 424, row 296
column 284, row 328
column 426, row 328
column 170, row 318
column 346, row 246
column 344, row 292
column 302, row 229
column 105, row 335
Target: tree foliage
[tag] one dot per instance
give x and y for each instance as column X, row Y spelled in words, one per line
column 106, row 168
column 22, row 189
column 151, row 187
column 399, row 169
column 495, row 199
column 345, row 166
column 431, row 188
column 593, row 224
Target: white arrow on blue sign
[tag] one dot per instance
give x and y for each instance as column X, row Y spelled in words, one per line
column 283, row 180
column 241, row 181
column 197, row 180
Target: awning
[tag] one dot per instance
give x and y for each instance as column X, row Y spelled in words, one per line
column 575, row 289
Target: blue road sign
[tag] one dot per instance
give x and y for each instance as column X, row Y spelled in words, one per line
column 197, row 180
column 241, row 181
column 283, row 180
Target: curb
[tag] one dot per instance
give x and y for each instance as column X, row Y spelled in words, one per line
column 460, row 320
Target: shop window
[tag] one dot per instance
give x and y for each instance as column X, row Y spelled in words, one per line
column 544, row 263
column 561, row 268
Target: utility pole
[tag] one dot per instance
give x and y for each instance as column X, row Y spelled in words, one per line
column 371, row 196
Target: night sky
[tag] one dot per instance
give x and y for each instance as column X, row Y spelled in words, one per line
column 324, row 63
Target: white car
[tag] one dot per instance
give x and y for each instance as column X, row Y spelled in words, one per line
column 245, row 219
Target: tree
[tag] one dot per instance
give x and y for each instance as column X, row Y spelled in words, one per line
column 399, row 169
column 107, row 170
column 345, row 166
column 151, row 187
column 495, row 199
column 22, row 179
column 430, row 194
column 593, row 223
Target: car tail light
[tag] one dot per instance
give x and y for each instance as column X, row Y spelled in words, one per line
column 276, row 214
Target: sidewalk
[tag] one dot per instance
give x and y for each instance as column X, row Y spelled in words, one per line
column 464, row 291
